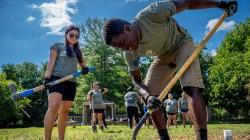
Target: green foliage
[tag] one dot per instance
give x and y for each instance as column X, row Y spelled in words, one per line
column 206, row 60
column 28, row 75
column 9, row 113
column 229, row 72
column 7, row 107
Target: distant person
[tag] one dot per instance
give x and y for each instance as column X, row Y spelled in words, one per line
column 62, row 62
column 97, row 106
column 183, row 109
column 104, row 91
column 171, row 109
column 131, row 98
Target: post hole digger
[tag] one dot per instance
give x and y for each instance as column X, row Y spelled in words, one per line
column 19, row 95
column 232, row 9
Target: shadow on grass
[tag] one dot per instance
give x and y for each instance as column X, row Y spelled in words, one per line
column 230, row 121
column 114, row 131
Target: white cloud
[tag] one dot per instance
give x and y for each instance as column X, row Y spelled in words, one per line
column 30, row 18
column 225, row 26
column 135, row 0
column 56, row 15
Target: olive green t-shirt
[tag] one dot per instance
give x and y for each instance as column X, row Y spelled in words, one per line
column 160, row 32
column 64, row 64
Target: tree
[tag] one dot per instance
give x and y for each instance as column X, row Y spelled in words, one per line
column 28, row 75
column 10, row 114
column 229, row 72
column 206, row 60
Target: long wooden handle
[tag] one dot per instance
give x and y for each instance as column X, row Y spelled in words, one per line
column 192, row 57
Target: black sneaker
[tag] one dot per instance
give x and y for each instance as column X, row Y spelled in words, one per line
column 94, row 129
column 101, row 127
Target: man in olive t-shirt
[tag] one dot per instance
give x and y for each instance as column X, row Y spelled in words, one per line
column 153, row 32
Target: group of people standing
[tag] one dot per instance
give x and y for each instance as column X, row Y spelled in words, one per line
column 172, row 108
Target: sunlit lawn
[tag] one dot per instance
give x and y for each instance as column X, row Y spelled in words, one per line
column 121, row 132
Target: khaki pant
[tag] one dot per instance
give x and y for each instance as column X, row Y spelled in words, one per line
column 164, row 67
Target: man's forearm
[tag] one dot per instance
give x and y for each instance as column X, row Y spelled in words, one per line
column 194, row 4
column 199, row 4
column 136, row 77
column 153, row 103
column 142, row 89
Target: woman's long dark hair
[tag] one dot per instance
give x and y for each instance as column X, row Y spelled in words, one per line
column 76, row 45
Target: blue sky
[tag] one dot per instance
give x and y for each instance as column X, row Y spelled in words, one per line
column 29, row 27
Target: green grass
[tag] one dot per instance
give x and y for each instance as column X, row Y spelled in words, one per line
column 119, row 132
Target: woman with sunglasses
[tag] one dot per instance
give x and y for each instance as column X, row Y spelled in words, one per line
column 62, row 62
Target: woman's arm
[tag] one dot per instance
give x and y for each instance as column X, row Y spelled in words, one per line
column 104, row 90
column 51, row 63
column 178, row 104
column 152, row 101
column 88, row 96
column 83, row 64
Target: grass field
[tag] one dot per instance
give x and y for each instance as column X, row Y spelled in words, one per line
column 119, row 132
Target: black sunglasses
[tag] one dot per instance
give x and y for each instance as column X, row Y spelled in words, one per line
column 74, row 35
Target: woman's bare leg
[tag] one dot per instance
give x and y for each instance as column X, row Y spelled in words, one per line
column 63, row 117
column 54, row 101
